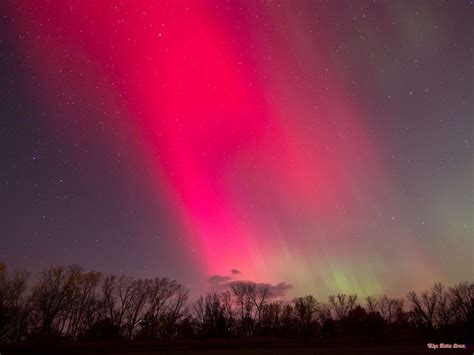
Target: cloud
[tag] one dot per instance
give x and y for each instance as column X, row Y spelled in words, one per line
column 276, row 291
column 222, row 282
column 218, row 280
column 280, row 290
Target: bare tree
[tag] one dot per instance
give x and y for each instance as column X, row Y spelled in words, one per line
column 108, row 297
column 386, row 307
column 325, row 313
column 288, row 318
column 342, row 304
column 372, row 304
column 14, row 309
column 69, row 302
column 463, row 301
column 260, row 298
column 400, row 316
column 239, row 290
column 227, row 304
column 424, row 306
column 198, row 310
column 270, row 320
column 82, row 299
column 50, row 295
column 135, row 312
column 209, row 314
column 444, row 309
column 116, row 298
column 305, row 310
column 245, row 293
column 160, row 293
column 175, row 310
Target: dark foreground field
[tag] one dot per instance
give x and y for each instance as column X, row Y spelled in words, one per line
column 225, row 348
column 407, row 350
column 311, row 351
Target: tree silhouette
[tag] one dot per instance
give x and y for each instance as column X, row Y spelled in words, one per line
column 305, row 309
column 342, row 304
column 423, row 307
column 14, row 308
column 72, row 304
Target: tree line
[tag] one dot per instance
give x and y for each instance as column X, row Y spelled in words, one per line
column 77, row 305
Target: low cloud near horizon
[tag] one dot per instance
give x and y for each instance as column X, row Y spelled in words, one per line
column 223, row 282
column 218, row 279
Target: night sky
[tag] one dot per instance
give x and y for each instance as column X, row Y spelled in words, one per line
column 323, row 144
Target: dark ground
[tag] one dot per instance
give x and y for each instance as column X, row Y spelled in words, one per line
column 308, row 351
column 277, row 347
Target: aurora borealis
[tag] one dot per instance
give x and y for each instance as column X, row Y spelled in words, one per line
column 327, row 145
